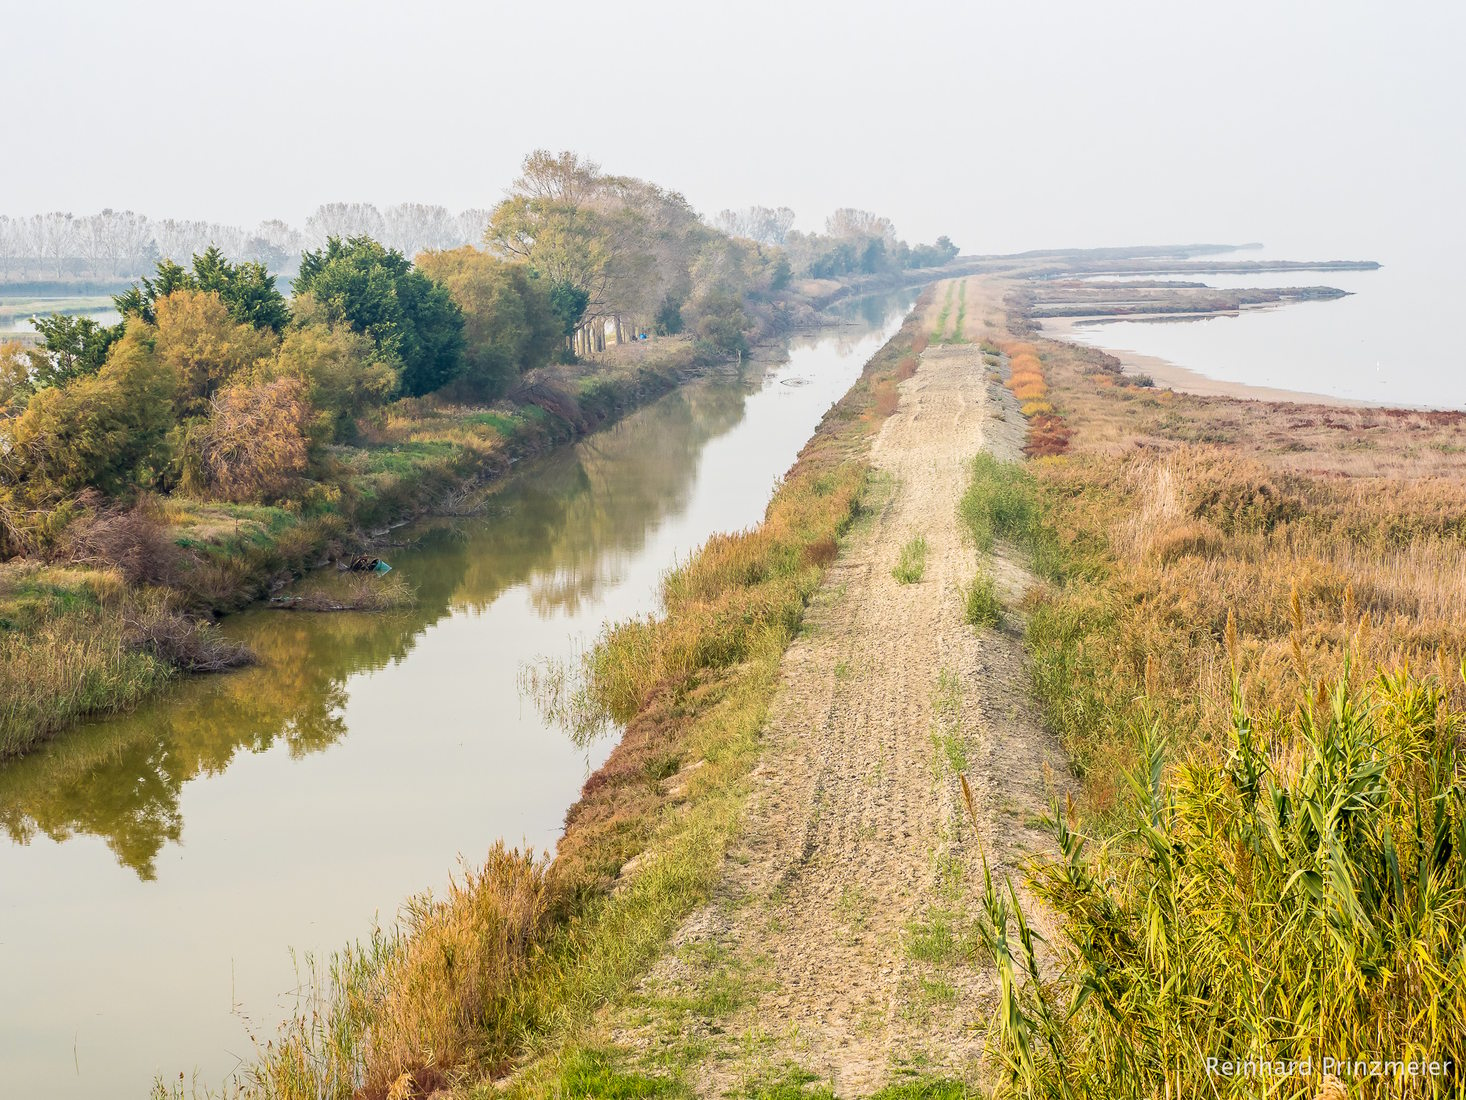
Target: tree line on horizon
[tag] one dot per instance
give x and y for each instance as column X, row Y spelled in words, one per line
column 216, row 384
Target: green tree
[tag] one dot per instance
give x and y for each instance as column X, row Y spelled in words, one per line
column 343, row 372
column 376, row 291
column 246, row 289
column 510, row 321
column 669, row 316
column 75, row 346
column 568, row 302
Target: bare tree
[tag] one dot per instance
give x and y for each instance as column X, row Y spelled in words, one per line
column 178, row 240
column 472, row 224
column 764, row 224
column 281, row 235
column 344, row 219
column 412, row 227
column 58, row 238
column 850, row 222
column 560, row 177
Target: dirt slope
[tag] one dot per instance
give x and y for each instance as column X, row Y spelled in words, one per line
column 837, row 935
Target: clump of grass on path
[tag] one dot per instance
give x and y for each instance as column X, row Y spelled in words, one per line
column 911, row 565
column 981, row 606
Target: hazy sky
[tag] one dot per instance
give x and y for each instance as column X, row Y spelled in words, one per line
column 1334, row 128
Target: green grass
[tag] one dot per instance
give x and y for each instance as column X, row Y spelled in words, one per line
column 597, row 1075
column 980, row 604
column 947, row 735
column 910, row 567
column 1302, row 896
column 928, row 1089
column 937, row 938
column 941, row 326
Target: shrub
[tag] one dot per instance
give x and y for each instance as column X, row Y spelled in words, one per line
column 104, row 431
column 196, row 337
column 252, row 446
column 130, row 540
column 343, row 374
column 184, row 643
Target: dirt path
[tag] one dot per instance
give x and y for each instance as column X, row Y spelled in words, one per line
column 838, row 935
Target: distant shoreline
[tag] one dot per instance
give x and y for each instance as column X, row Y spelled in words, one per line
column 1185, row 380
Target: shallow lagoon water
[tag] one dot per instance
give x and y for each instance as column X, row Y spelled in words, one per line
column 1387, row 342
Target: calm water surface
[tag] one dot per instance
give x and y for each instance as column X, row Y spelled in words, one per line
column 1390, row 341
column 156, row 869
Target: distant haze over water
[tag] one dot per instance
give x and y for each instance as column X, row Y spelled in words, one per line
column 1388, row 342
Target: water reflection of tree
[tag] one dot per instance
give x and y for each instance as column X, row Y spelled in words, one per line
column 565, row 527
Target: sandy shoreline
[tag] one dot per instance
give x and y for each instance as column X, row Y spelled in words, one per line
column 1184, row 380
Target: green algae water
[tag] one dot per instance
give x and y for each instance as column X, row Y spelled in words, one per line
column 158, row 869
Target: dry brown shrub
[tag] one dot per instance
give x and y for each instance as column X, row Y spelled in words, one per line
column 905, row 369
column 253, row 445
column 184, row 643
column 886, row 400
column 131, row 540
column 557, row 402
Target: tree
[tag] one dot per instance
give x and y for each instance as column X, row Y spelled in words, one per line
column 764, row 224
column 74, row 346
column 511, row 324
column 344, row 220
column 557, row 177
column 721, row 321
column 105, row 431
column 568, row 303
column 933, row 255
column 196, row 337
column 375, row 291
column 342, row 371
column 413, row 227
column 252, row 446
column 849, row 222
column 247, row 290
column 17, row 370
column 56, row 238
column 668, row 321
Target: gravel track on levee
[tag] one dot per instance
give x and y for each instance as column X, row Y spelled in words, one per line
column 856, row 850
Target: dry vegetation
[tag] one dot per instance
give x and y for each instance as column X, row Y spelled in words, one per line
column 1250, row 642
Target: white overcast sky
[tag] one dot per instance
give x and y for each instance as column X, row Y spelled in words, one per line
column 1330, row 128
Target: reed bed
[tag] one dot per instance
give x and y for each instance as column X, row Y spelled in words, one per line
column 69, row 668
column 1300, row 904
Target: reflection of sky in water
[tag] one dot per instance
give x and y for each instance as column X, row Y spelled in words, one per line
column 16, row 312
column 1382, row 343
column 162, row 862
